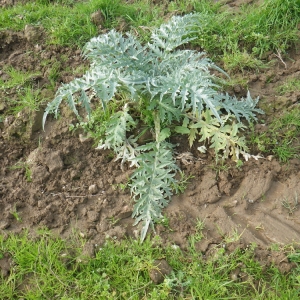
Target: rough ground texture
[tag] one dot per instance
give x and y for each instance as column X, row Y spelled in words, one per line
column 74, row 186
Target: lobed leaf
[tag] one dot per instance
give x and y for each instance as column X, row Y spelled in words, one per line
column 151, row 184
column 178, row 87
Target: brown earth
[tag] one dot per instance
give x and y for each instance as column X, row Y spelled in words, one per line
column 77, row 187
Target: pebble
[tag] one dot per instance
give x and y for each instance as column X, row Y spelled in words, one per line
column 93, row 189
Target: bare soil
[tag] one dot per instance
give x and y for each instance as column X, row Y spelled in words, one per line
column 77, row 187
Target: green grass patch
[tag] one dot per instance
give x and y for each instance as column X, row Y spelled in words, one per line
column 281, row 137
column 20, row 84
column 28, row 99
column 69, row 22
column 46, row 267
column 16, row 79
column 245, row 37
column 289, row 86
column 242, row 38
column 239, row 61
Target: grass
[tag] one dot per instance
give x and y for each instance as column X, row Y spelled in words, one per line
column 27, row 98
column 16, row 214
column 289, row 86
column 240, row 61
column 17, row 78
column 20, row 85
column 282, row 137
column 290, row 205
column 25, row 166
column 68, row 23
column 182, row 182
column 242, row 39
column 245, row 38
column 47, row 267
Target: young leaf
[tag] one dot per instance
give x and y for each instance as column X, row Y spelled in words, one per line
column 182, row 130
column 165, row 133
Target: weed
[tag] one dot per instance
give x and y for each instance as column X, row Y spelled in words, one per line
column 289, row 86
column 275, row 247
column 259, row 227
column 25, row 166
column 155, row 76
column 110, row 155
column 234, row 236
column 16, row 78
column 28, row 98
column 68, row 23
column 239, row 164
column 230, row 237
column 165, row 221
column 182, row 183
column 286, row 151
column 282, row 136
column 240, row 61
column 113, row 221
column 96, row 125
column 27, row 173
column 291, row 206
column 235, row 81
column 54, row 73
column 120, row 186
column 221, row 167
column 16, row 214
column 295, row 257
column 263, row 198
column 176, row 283
column 198, row 235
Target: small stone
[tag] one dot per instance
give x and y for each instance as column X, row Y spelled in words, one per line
column 75, row 175
column 84, row 138
column 54, row 162
column 93, row 189
column 160, row 269
column 101, row 185
column 84, row 211
column 235, row 274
